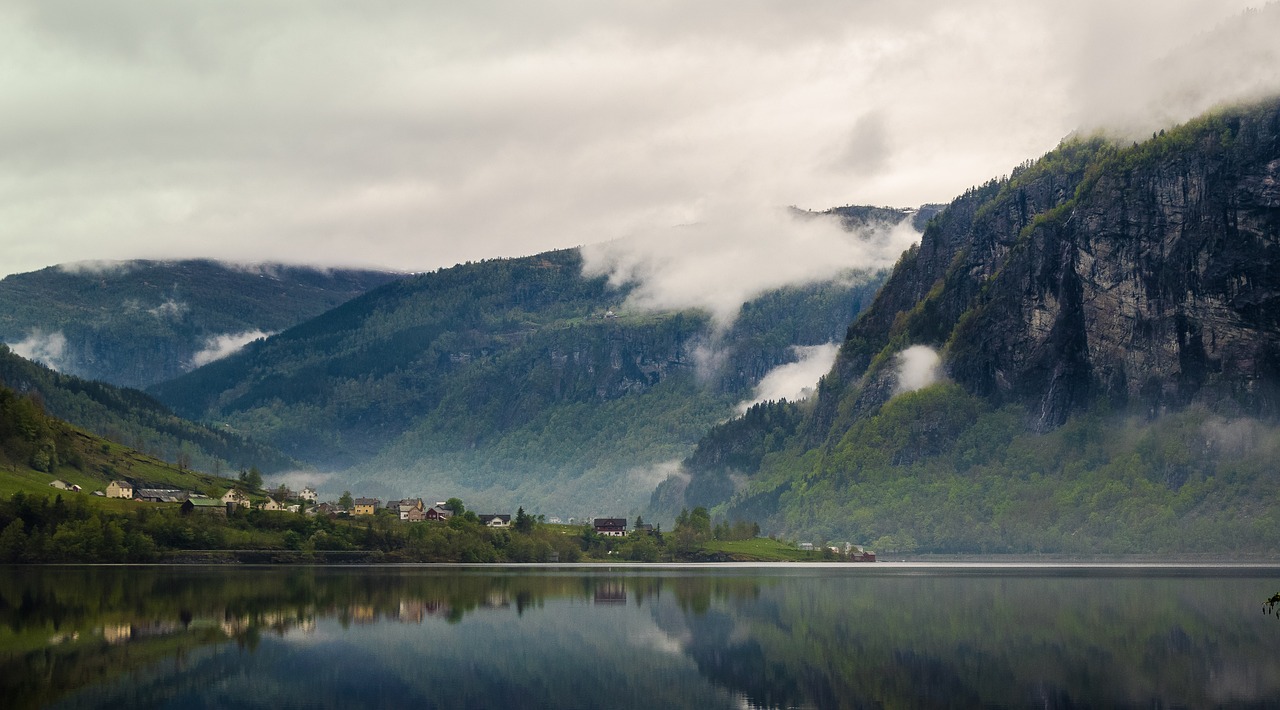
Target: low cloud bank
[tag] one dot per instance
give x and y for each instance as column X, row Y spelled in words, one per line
column 732, row 254
column 297, row 480
column 219, row 346
column 98, row 267
column 918, row 367
column 47, row 349
column 797, row 380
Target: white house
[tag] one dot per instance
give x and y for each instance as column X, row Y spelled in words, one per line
column 120, row 489
column 309, row 494
column 235, row 496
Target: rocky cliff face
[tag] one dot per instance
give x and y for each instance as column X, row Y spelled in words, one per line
column 1143, row 276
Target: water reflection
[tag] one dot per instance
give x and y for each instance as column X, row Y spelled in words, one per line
column 638, row 637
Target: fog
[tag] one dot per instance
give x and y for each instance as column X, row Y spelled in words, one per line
column 794, row 381
column 217, row 347
column 917, row 367
column 411, row 135
column 48, row 349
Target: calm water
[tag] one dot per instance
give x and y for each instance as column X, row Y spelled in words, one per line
column 705, row 637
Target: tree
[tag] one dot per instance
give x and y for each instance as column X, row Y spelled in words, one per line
column 455, row 504
column 252, row 479
column 346, row 501
column 524, row 521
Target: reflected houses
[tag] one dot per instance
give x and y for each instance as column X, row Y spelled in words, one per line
column 610, row 591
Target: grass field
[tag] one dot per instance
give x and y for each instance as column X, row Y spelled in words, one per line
column 762, row 549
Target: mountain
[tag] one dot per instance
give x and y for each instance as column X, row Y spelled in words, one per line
column 37, row 448
column 509, row 382
column 135, row 419
column 135, row 323
column 1106, row 327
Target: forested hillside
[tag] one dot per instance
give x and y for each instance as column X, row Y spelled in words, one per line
column 136, row 323
column 1109, row 378
column 511, row 381
column 135, row 419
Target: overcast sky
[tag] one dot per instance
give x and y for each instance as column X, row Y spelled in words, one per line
column 412, row 135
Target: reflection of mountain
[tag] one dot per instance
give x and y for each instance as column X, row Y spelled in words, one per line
column 992, row 641
column 781, row 637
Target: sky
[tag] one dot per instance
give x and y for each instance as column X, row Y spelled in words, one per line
column 412, row 135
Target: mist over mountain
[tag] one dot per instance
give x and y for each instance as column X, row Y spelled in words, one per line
column 1051, row 368
column 135, row 323
column 534, row 381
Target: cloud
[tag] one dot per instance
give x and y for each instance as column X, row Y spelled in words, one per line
column 98, row 267
column 648, row 477
column 869, row 149
column 417, row 135
column 735, row 252
column 797, row 380
column 47, row 349
column 217, row 347
column 297, row 480
column 918, row 367
column 170, row 309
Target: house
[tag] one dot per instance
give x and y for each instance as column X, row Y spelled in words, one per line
column 404, row 507
column 415, row 515
column 309, row 494
column 120, row 489
column 211, row 506
column 60, row 485
column 807, row 546
column 366, row 506
column 495, row 521
column 437, row 512
column 271, row 504
column 235, row 496
column 611, row 527
column 160, row 495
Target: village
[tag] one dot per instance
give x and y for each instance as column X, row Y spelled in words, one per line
column 283, row 520
column 306, row 502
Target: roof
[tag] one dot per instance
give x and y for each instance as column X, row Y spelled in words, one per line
column 206, row 502
column 494, row 516
column 367, row 501
column 121, row 484
column 611, row 522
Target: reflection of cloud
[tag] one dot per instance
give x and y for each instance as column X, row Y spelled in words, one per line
column 219, row 346
column 48, row 350
column 794, row 381
column 737, row 252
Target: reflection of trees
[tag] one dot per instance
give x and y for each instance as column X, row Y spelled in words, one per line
column 99, row 622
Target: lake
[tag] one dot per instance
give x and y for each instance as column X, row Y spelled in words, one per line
column 707, row 636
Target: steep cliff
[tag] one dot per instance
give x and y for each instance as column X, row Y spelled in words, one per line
column 1105, row 317
column 1142, row 276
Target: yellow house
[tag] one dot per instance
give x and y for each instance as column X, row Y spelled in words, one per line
column 271, row 504
column 120, row 489
column 366, row 506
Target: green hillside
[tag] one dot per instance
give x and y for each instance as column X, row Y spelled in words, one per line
column 36, row 449
column 135, row 323
column 509, row 382
column 136, row 419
